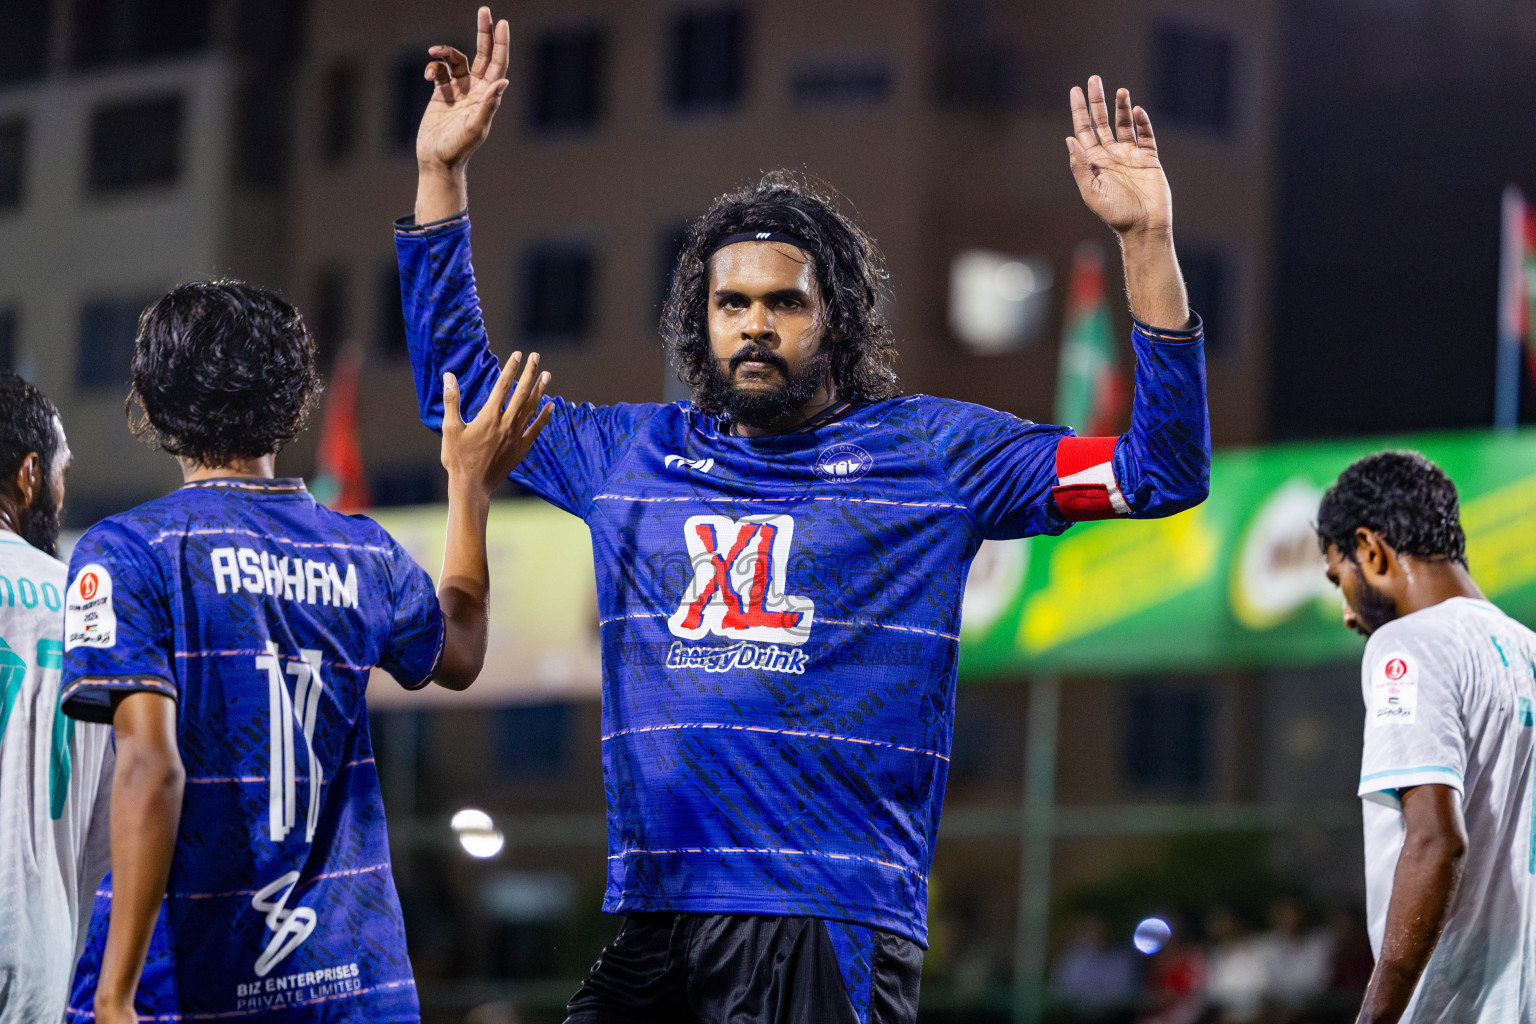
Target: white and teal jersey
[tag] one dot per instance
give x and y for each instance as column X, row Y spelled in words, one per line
column 1450, row 699
column 53, row 805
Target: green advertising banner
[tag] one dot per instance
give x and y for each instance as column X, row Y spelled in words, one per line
column 1238, row 581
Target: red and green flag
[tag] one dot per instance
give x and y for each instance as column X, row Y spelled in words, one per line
column 1090, row 388
column 340, row 481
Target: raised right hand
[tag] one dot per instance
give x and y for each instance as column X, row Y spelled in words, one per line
column 464, row 99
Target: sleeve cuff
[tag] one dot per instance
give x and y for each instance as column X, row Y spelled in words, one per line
column 94, row 699
column 437, row 659
column 1194, row 332
column 1384, row 786
column 407, row 225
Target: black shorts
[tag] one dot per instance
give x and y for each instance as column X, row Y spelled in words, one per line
column 741, row 969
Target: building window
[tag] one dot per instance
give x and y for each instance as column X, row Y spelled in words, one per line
column 567, row 75
column 409, row 94
column 339, row 111
column 669, row 248
column 330, row 323
column 8, row 327
column 122, row 31
column 13, row 163
column 1168, row 739
column 262, row 143
column 1210, row 280
column 534, row 740
column 557, row 294
column 415, row 484
column 1194, row 71
column 976, row 70
column 107, row 329
column 391, row 323
column 24, row 43
column 135, row 143
column 850, row 81
column 708, row 60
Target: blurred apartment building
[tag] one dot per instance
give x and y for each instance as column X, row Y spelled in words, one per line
column 941, row 121
column 142, row 143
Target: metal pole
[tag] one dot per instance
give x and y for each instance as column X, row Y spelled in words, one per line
column 1029, row 951
column 1506, row 395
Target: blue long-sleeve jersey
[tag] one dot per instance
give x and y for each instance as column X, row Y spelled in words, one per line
column 781, row 615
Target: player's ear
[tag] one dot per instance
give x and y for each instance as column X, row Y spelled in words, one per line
column 29, row 478
column 1371, row 552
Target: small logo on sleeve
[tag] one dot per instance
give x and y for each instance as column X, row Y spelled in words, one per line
column 89, row 618
column 843, row 462
column 1395, row 690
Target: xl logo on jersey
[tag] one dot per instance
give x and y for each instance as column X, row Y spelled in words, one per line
column 738, row 582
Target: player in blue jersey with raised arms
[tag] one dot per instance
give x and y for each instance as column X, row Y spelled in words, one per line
column 227, row 632
column 780, row 565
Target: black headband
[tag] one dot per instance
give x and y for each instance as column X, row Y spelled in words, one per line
column 758, row 236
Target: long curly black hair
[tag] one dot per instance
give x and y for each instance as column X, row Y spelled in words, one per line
column 222, row 370
column 848, row 267
column 1402, row 496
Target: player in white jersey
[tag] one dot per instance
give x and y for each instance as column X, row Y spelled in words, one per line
column 53, row 802
column 1446, row 778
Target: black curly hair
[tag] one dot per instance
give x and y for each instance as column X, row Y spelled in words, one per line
column 1402, row 496
column 26, row 426
column 222, row 370
column 849, row 271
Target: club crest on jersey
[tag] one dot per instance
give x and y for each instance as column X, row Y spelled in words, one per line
column 738, row 582
column 843, row 462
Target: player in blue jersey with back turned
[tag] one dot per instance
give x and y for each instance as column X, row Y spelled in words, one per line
column 780, row 565
column 227, row 632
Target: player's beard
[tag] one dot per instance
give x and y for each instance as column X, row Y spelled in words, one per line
column 40, row 523
column 1372, row 608
column 763, row 408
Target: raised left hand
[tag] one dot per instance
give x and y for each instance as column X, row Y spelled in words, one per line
column 1116, row 167
column 483, row 451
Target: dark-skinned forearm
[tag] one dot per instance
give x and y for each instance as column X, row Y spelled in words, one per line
column 1428, row 873
column 465, row 586
column 146, row 810
column 1154, row 284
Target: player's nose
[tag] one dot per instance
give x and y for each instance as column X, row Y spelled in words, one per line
column 1351, row 620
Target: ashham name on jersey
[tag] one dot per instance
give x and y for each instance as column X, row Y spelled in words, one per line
column 290, row 577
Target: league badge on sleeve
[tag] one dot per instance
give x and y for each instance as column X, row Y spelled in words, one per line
column 1394, row 690
column 89, row 619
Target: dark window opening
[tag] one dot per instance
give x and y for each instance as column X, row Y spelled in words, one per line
column 339, row 112
column 669, row 247
column 330, row 323
column 1193, row 78
column 134, row 144
column 391, row 324
column 976, row 71
column 409, row 94
column 8, row 329
column 107, row 329
column 13, row 163
column 1210, row 281
column 708, row 59
column 557, row 293
column 394, row 486
column 24, row 43
column 846, row 83
column 121, row 31
column 262, row 143
column 534, row 740
column 566, row 79
column 1168, row 739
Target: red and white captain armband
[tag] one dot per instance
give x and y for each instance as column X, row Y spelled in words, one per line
column 1085, row 479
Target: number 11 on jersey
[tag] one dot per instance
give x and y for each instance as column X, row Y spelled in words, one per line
column 288, row 711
